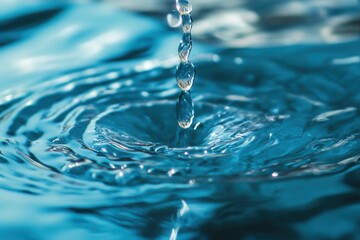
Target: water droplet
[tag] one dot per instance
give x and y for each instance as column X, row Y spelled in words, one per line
column 187, row 23
column 185, row 74
column 185, row 110
column 185, row 47
column 185, row 71
column 183, row 6
column 174, row 20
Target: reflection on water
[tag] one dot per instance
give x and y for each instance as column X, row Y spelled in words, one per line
column 90, row 147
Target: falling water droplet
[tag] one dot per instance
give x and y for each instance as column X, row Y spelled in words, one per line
column 174, row 19
column 185, row 74
column 185, row 47
column 185, row 70
column 185, row 110
column 183, row 6
column 187, row 23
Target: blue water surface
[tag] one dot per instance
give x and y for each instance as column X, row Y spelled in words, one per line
column 89, row 143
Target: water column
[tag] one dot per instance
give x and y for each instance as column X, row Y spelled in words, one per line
column 185, row 70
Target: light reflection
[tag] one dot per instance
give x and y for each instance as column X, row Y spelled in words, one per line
column 97, row 44
column 69, row 31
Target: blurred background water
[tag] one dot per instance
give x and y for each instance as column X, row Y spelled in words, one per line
column 89, row 144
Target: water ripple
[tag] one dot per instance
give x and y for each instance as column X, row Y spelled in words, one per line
column 89, row 134
column 111, row 129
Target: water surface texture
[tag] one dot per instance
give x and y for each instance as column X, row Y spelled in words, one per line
column 89, row 143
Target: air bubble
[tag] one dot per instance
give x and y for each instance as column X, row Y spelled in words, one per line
column 185, row 110
column 183, row 6
column 185, row 74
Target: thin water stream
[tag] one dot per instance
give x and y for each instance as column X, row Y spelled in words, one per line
column 185, row 70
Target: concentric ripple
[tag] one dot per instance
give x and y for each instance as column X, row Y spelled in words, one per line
column 219, row 130
column 117, row 124
column 89, row 143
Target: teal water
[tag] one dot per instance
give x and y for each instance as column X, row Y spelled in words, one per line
column 89, row 143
